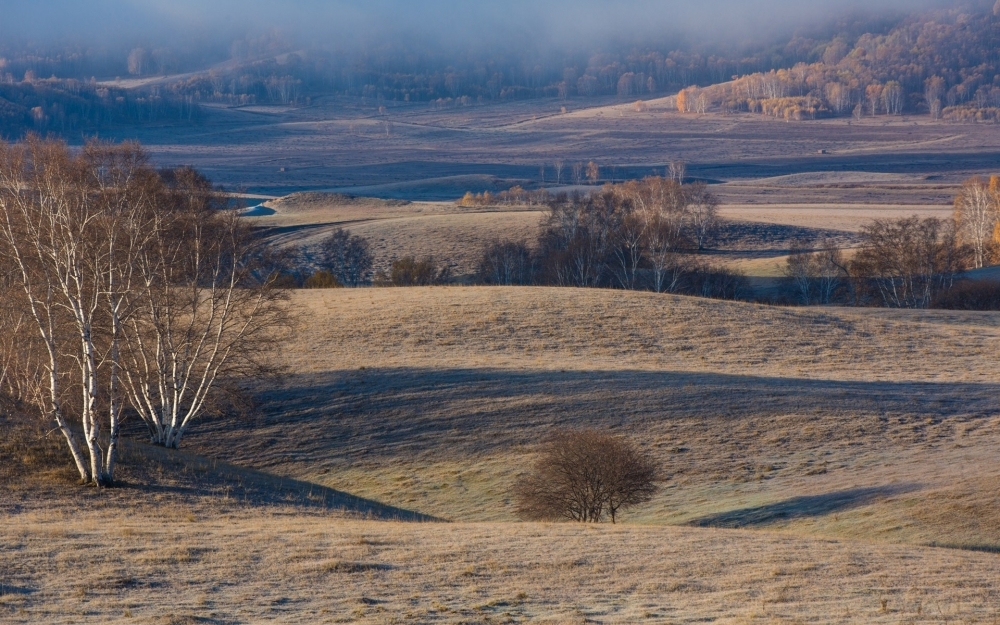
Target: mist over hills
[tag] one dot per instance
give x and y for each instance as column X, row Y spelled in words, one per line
column 56, row 55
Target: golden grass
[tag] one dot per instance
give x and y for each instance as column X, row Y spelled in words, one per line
column 848, row 439
column 453, row 235
column 830, row 215
column 832, row 422
column 273, row 566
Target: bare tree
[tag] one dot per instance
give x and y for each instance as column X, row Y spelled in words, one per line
column 583, row 475
column 347, row 257
column 207, row 309
column 977, row 212
column 559, row 169
column 577, row 173
column 906, row 263
column 506, row 263
column 934, row 90
column 137, row 60
column 628, row 245
column 703, row 211
column 816, row 275
column 676, row 171
column 593, row 172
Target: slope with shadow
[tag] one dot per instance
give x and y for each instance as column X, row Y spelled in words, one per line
column 432, row 399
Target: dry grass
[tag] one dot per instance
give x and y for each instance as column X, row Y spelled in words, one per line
column 457, row 240
column 822, row 427
column 168, row 566
column 834, row 216
column 835, row 422
column 452, row 235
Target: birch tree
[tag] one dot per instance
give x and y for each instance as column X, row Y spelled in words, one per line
column 49, row 233
column 703, row 212
column 977, row 212
column 136, row 299
column 204, row 309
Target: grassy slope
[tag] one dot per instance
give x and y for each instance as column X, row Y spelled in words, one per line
column 872, row 424
column 825, row 425
column 175, row 566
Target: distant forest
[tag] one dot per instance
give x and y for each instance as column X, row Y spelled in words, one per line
column 943, row 62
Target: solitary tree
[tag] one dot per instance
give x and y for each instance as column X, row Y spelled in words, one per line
column 583, row 475
column 703, row 208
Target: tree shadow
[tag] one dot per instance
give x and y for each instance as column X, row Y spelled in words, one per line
column 801, row 507
column 197, row 476
column 8, row 589
column 393, row 413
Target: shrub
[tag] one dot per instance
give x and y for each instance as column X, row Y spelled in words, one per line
column 408, row 271
column 970, row 295
column 322, row 280
column 583, row 475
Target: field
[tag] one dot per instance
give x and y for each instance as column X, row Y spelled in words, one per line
column 821, row 464
column 434, row 153
column 814, row 456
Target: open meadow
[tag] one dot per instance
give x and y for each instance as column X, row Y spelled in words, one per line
column 822, row 465
column 819, row 464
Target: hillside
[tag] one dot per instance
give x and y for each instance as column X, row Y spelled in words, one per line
column 871, row 424
column 939, row 62
column 812, row 456
column 177, row 567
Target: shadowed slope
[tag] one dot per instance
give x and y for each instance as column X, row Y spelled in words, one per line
column 431, row 399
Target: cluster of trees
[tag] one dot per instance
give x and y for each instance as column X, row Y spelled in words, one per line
column 937, row 61
column 636, row 235
column 583, row 476
column 904, row 263
column 124, row 292
column 515, row 196
column 941, row 62
column 911, row 262
column 58, row 105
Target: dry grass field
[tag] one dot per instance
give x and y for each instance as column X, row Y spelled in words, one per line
column 812, row 457
column 182, row 566
column 755, row 239
column 868, row 424
column 420, row 152
column 451, row 234
column 820, row 465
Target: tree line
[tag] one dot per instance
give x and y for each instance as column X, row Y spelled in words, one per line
column 641, row 234
column 942, row 63
column 125, row 292
column 909, row 262
column 954, row 44
column 62, row 106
